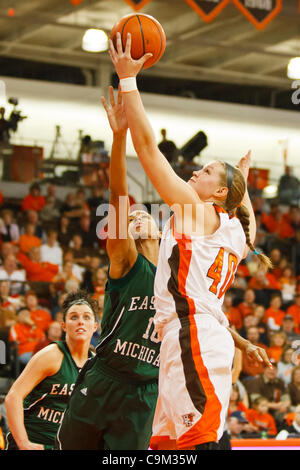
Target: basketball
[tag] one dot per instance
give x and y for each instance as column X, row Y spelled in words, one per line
column 147, row 35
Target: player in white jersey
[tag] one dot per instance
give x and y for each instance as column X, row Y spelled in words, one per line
column 211, row 230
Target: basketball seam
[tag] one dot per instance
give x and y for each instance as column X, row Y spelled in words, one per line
column 127, row 21
column 159, row 37
column 142, row 33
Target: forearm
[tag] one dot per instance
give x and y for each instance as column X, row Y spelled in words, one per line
column 240, row 342
column 15, row 419
column 118, row 169
column 140, row 128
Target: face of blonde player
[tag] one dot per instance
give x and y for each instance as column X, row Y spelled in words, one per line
column 142, row 226
column 207, row 180
column 79, row 323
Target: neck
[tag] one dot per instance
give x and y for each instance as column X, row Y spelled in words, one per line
column 78, row 350
column 149, row 249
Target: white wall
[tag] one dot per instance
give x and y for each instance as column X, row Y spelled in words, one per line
column 231, row 129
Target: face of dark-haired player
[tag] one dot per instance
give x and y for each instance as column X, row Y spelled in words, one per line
column 80, row 323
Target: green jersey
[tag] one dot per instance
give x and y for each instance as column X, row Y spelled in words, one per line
column 46, row 403
column 128, row 343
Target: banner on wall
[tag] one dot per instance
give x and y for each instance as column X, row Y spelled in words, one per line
column 137, row 4
column 208, row 9
column 259, row 12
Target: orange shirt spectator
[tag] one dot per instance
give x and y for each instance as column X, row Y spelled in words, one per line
column 248, row 305
column 33, row 200
column 234, row 317
column 35, row 270
column 294, row 310
column 28, row 240
column 41, row 317
column 263, row 280
column 260, row 418
column 274, row 315
column 277, row 342
column 25, row 333
column 276, row 223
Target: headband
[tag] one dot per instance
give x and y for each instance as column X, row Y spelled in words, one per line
column 229, row 174
column 79, row 302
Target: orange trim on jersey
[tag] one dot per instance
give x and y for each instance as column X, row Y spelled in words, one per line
column 219, row 209
column 156, row 440
column 205, row 430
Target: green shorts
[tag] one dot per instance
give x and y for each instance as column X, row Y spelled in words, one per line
column 106, row 412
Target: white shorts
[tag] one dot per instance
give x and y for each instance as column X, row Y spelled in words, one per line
column 194, row 381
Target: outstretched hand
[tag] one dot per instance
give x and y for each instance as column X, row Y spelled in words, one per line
column 115, row 112
column 124, row 64
column 258, row 354
column 244, row 164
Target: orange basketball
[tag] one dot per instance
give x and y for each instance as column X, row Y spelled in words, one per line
column 147, row 35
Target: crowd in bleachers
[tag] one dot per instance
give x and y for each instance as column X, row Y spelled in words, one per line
column 49, row 247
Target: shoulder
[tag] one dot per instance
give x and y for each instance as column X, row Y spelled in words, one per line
column 49, row 358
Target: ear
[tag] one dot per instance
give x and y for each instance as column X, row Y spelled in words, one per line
column 96, row 326
column 63, row 326
column 221, row 193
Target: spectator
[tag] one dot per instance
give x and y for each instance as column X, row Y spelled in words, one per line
column 99, row 282
column 7, row 248
column 36, row 271
column 88, row 233
column 34, row 200
column 248, row 305
column 288, row 284
column 41, row 317
column 88, row 276
column 276, row 259
column 264, row 284
column 286, row 365
column 51, row 251
column 294, row 386
column 277, row 344
column 80, row 253
column 276, row 223
column 65, row 275
column 251, row 369
column 76, row 269
column 9, row 231
column 288, row 187
column 292, row 429
column 64, row 232
column 53, row 333
column 32, row 217
column 28, row 240
column 8, row 300
column 26, row 334
column 294, row 311
column 96, row 200
column 235, row 402
column 238, row 425
column 259, row 313
column 270, row 386
column 50, row 214
column 260, row 418
column 73, row 209
column 274, row 315
column 289, row 330
column 249, row 320
column 232, row 313
column 51, row 192
column 10, row 272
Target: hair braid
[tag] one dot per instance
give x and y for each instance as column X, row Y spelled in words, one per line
column 242, row 214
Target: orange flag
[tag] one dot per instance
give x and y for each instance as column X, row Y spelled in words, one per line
column 207, row 9
column 137, row 4
column 259, row 13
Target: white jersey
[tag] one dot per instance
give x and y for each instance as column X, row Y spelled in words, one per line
column 194, row 272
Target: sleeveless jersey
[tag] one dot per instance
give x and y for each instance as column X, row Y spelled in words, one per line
column 128, row 344
column 194, row 272
column 46, row 403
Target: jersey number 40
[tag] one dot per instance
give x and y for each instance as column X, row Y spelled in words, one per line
column 215, row 273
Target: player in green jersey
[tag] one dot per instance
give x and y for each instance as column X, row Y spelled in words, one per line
column 37, row 399
column 113, row 402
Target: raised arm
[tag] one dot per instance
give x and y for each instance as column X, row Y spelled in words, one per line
column 244, row 165
column 171, row 188
column 120, row 247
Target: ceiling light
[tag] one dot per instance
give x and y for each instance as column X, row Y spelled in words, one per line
column 294, row 68
column 95, row 40
column 270, row 191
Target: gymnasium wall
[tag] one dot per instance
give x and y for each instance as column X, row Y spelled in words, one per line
column 231, row 129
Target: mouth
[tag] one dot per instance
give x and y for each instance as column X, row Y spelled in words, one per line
column 80, row 330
